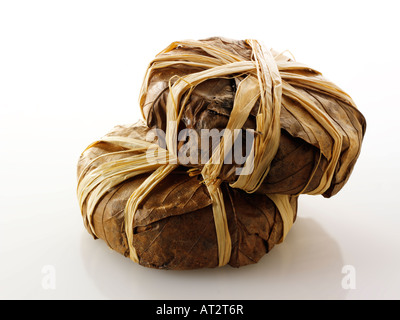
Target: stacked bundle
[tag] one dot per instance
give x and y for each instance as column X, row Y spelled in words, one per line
column 233, row 134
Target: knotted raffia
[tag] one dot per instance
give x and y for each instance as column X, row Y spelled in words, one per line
column 268, row 82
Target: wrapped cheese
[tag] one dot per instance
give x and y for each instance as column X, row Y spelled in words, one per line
column 292, row 132
column 174, row 226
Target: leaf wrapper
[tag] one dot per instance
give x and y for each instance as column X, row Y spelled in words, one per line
column 174, row 225
column 313, row 110
column 307, row 138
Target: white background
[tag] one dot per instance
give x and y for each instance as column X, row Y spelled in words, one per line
column 71, row 70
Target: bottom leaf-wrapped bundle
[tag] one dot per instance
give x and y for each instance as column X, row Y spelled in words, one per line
column 174, row 225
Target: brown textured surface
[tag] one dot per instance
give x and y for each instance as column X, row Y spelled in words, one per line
column 300, row 151
column 209, row 108
column 174, row 225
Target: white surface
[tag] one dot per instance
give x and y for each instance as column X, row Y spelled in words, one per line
column 71, row 70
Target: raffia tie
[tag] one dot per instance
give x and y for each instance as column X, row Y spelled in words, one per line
column 262, row 82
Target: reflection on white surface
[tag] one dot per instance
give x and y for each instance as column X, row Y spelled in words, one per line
column 307, row 265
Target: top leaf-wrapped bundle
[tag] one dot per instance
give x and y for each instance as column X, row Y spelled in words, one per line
column 318, row 122
column 305, row 136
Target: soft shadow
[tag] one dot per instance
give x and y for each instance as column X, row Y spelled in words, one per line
column 307, row 265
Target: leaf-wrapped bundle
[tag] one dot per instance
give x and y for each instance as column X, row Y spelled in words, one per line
column 140, row 196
